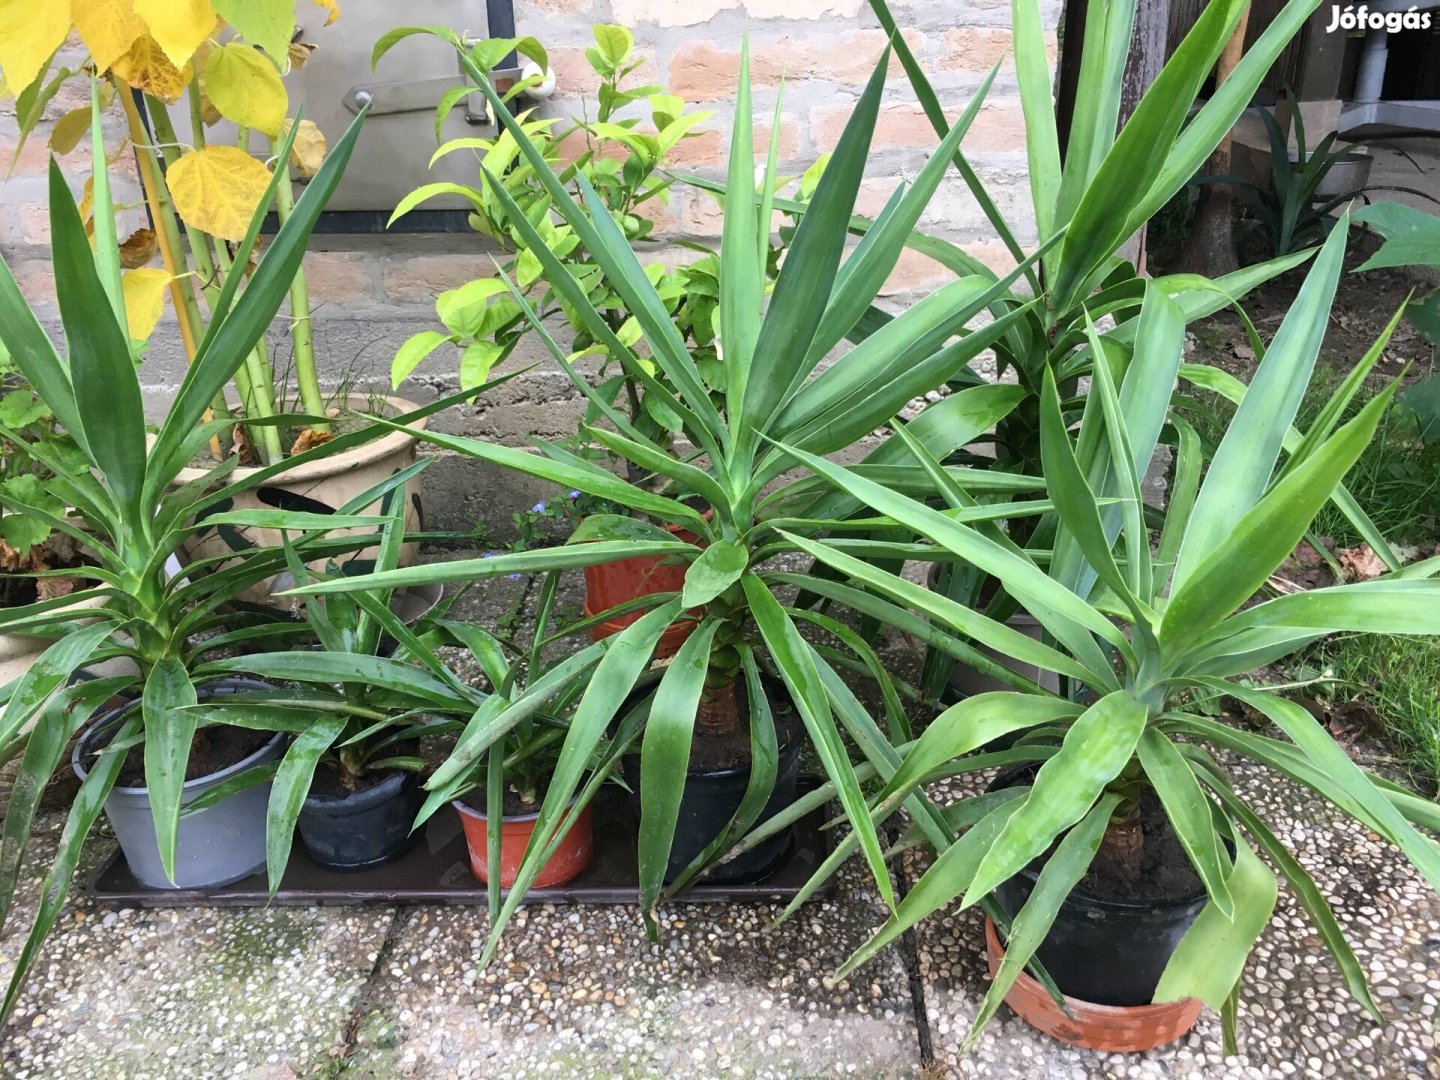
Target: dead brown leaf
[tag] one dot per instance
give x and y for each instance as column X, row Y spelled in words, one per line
column 309, row 439
column 1360, row 563
column 138, row 249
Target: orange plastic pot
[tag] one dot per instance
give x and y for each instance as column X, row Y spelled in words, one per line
column 1116, row 1029
column 572, row 856
column 610, row 584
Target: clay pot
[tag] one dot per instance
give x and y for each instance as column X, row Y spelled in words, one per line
column 571, row 857
column 320, row 486
column 1107, row 1028
column 612, row 583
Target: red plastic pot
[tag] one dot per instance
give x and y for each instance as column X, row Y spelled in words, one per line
column 613, row 583
column 1116, row 1029
column 572, row 856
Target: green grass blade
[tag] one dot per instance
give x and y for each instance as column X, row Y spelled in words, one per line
column 1037, row 100
column 742, row 279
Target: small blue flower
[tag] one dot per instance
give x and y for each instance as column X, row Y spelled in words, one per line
column 538, row 508
column 490, row 554
column 572, row 495
column 516, row 577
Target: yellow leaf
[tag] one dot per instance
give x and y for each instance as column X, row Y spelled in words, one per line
column 246, row 88
column 332, row 6
column 308, row 149
column 144, row 292
column 179, row 26
column 216, row 189
column 299, row 53
column 108, row 28
column 30, row 30
column 146, row 67
column 68, row 130
column 87, row 198
column 267, row 23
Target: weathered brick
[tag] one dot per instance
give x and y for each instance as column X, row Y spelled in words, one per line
column 712, row 147
column 978, row 49
column 999, row 127
column 691, row 12
column 340, row 278
column 423, row 277
column 914, row 272
column 700, row 215
column 703, row 72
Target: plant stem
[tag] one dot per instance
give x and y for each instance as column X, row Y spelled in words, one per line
column 167, row 235
column 306, row 376
column 256, row 386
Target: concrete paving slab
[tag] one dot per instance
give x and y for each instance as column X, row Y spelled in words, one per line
column 581, row 993
column 183, row 994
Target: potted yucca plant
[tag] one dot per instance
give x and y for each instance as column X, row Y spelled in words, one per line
column 148, row 756
column 1088, row 198
column 1116, row 775
column 723, row 723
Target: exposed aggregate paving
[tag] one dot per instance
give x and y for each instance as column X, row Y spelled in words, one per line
column 381, row 992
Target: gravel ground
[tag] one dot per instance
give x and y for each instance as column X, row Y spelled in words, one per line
column 1297, row 1018
column 582, row 993
column 381, row 993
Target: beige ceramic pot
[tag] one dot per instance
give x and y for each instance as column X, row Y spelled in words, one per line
column 318, row 487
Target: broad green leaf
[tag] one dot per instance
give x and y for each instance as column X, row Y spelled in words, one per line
column 969, row 725
column 1211, row 956
column 292, row 785
column 1042, row 146
column 665, row 759
column 947, row 878
column 741, row 279
column 1097, row 746
column 1189, row 813
column 1245, row 460
column 717, row 568
column 167, row 705
column 1249, row 551
column 1060, row 874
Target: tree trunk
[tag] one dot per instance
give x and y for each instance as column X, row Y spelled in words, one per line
column 1210, row 249
column 719, row 713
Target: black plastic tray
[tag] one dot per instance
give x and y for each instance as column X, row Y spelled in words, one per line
column 437, row 871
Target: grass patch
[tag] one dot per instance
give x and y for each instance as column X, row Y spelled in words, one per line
column 1399, row 677
column 1396, row 480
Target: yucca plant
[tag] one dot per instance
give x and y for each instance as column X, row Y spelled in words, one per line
column 717, row 492
column 1088, row 198
column 357, row 702
column 1143, row 639
column 135, row 520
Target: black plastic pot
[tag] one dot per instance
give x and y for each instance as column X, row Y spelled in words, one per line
column 362, row 829
column 1106, row 952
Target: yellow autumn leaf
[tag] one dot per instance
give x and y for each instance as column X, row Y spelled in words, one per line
column 108, row 28
column 146, row 67
column 179, row 26
column 138, row 248
column 245, row 88
column 216, row 189
column 68, row 130
column 308, row 149
column 332, row 6
column 30, row 30
column 144, row 292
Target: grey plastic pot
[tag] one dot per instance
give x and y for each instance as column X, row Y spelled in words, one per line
column 215, row 846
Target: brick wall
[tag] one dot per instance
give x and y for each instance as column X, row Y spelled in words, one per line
column 369, row 293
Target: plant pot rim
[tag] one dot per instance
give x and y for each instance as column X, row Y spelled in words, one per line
column 385, row 788
column 388, row 444
column 506, row 819
column 1078, row 895
column 115, row 716
column 1163, row 1023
